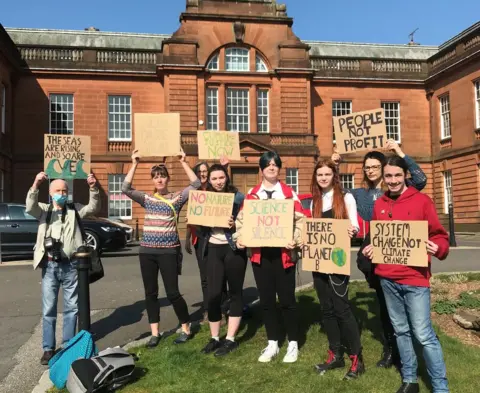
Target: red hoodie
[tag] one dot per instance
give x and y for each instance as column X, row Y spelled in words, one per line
column 411, row 206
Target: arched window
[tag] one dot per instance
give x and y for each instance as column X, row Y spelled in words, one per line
column 213, row 63
column 237, row 59
column 260, row 65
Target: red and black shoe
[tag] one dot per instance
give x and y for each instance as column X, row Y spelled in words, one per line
column 356, row 369
column 334, row 360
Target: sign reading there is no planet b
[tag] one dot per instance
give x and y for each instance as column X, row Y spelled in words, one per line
column 66, row 156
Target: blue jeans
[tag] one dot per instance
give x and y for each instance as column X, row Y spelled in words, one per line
column 53, row 275
column 409, row 310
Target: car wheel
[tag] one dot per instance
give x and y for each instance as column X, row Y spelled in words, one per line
column 92, row 240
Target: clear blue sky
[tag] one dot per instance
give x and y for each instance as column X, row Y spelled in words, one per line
column 382, row 21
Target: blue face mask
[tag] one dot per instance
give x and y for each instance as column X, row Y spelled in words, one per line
column 60, row 199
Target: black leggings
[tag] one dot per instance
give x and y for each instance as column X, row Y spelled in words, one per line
column 225, row 264
column 272, row 279
column 202, row 267
column 150, row 264
column 338, row 319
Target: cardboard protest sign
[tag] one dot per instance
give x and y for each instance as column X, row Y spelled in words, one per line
column 267, row 223
column 216, row 144
column 210, row 209
column 326, row 246
column 399, row 242
column 66, row 156
column 157, row 134
column 361, row 131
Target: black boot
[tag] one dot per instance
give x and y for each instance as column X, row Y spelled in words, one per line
column 386, row 361
column 334, row 360
column 409, row 388
column 357, row 368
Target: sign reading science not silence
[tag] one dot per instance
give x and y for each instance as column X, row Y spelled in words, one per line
column 326, row 246
column 361, row 131
column 399, row 242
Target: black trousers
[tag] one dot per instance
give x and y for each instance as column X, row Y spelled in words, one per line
column 338, row 319
column 150, row 265
column 273, row 279
column 225, row 265
column 202, row 267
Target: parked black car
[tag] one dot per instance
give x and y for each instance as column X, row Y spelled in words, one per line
column 18, row 231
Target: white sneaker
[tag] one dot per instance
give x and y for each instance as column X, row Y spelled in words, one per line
column 269, row 352
column 292, row 353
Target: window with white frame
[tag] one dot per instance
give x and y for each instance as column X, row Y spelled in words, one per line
column 262, row 111
column 340, row 108
column 260, row 65
column 61, row 114
column 477, row 102
column 445, row 117
column 2, row 184
column 212, row 109
column 119, row 118
column 447, row 189
column 237, row 59
column 237, row 110
column 213, row 63
column 392, row 120
column 3, row 113
column 119, row 205
column 348, row 181
column 292, row 178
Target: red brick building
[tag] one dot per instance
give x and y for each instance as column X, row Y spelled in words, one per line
column 238, row 66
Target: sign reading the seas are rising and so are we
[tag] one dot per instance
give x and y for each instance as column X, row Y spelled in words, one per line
column 210, row 209
column 326, row 246
column 267, row 223
column 399, row 242
column 217, row 144
column 361, row 131
column 66, row 156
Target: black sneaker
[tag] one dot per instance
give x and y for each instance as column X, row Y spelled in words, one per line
column 334, row 360
column 47, row 355
column 182, row 338
column 227, row 347
column 153, row 342
column 409, row 388
column 212, row 345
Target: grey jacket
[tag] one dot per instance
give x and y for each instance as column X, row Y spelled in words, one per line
column 71, row 231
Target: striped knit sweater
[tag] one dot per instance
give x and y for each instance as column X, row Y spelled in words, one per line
column 160, row 230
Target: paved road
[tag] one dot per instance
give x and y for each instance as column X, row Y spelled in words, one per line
column 118, row 309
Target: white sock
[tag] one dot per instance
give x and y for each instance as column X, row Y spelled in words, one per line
column 216, row 338
column 231, row 338
column 293, row 343
column 273, row 342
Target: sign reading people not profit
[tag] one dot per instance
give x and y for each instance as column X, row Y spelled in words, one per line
column 399, row 242
column 267, row 223
column 326, row 246
column 157, row 134
column 361, row 131
column 217, row 144
column 210, row 209
column 66, row 156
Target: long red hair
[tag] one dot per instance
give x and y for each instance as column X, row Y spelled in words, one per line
column 339, row 207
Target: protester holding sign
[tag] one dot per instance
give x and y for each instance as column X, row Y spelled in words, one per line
column 274, row 267
column 373, row 188
column 407, row 288
column 330, row 201
column 224, row 262
column 160, row 248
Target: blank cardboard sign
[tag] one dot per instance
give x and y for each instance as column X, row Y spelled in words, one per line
column 217, row 144
column 326, row 246
column 399, row 242
column 210, row 209
column 360, row 131
column 157, row 134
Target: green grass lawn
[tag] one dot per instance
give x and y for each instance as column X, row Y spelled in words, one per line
column 173, row 369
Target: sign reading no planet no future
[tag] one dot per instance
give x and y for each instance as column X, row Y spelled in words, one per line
column 399, row 242
column 217, row 144
column 361, row 131
column 267, row 223
column 210, row 209
column 326, row 246
column 66, row 156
